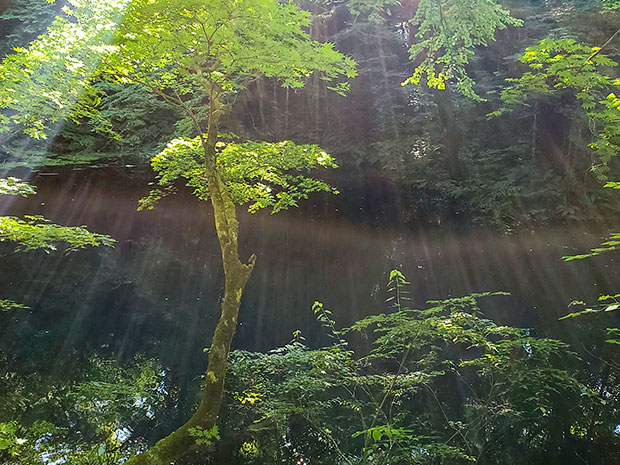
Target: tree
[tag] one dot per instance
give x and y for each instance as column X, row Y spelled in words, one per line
column 448, row 32
column 560, row 67
column 196, row 56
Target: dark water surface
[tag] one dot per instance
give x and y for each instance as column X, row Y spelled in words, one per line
column 158, row 290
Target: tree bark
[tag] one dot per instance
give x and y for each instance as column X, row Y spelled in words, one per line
column 236, row 274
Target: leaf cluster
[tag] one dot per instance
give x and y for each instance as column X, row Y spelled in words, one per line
column 560, row 67
column 448, row 32
column 37, row 233
column 261, row 174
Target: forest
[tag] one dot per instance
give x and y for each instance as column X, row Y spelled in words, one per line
column 309, row 232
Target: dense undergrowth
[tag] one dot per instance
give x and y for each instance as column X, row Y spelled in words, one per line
column 441, row 384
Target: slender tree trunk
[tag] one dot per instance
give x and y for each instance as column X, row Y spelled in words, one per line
column 451, row 134
column 236, row 274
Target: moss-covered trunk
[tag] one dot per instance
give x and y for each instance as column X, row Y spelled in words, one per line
column 236, row 275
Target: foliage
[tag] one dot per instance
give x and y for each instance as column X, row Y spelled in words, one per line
column 24, row 20
column 46, row 82
column 14, row 186
column 205, row 436
column 564, row 66
column 266, row 175
column 128, row 120
column 241, row 40
column 94, row 414
column 35, row 232
column 611, row 4
column 397, row 403
column 9, row 305
column 37, row 158
column 449, row 32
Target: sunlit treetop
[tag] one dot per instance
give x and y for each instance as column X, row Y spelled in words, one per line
column 180, row 50
column 259, row 174
column 202, row 51
column 448, row 32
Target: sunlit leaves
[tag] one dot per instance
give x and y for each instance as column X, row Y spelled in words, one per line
column 35, row 232
column 48, row 81
column 9, row 441
column 259, row 174
column 611, row 4
column 608, row 246
column 191, row 45
column 448, row 31
column 565, row 67
column 9, row 305
column 14, row 186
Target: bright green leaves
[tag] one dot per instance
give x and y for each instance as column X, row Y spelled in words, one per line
column 448, row 32
column 261, row 174
column 9, row 305
column 559, row 65
column 606, row 144
column 611, row 4
column 9, row 441
column 190, row 45
column 14, row 186
column 205, row 436
column 270, row 175
column 184, row 48
column 608, row 246
column 565, row 67
column 48, row 81
column 35, row 232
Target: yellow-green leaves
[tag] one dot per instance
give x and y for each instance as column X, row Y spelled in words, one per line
column 9, row 305
column 187, row 45
column 565, row 67
column 448, row 31
column 35, row 232
column 44, row 83
column 259, row 174
column 14, row 186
